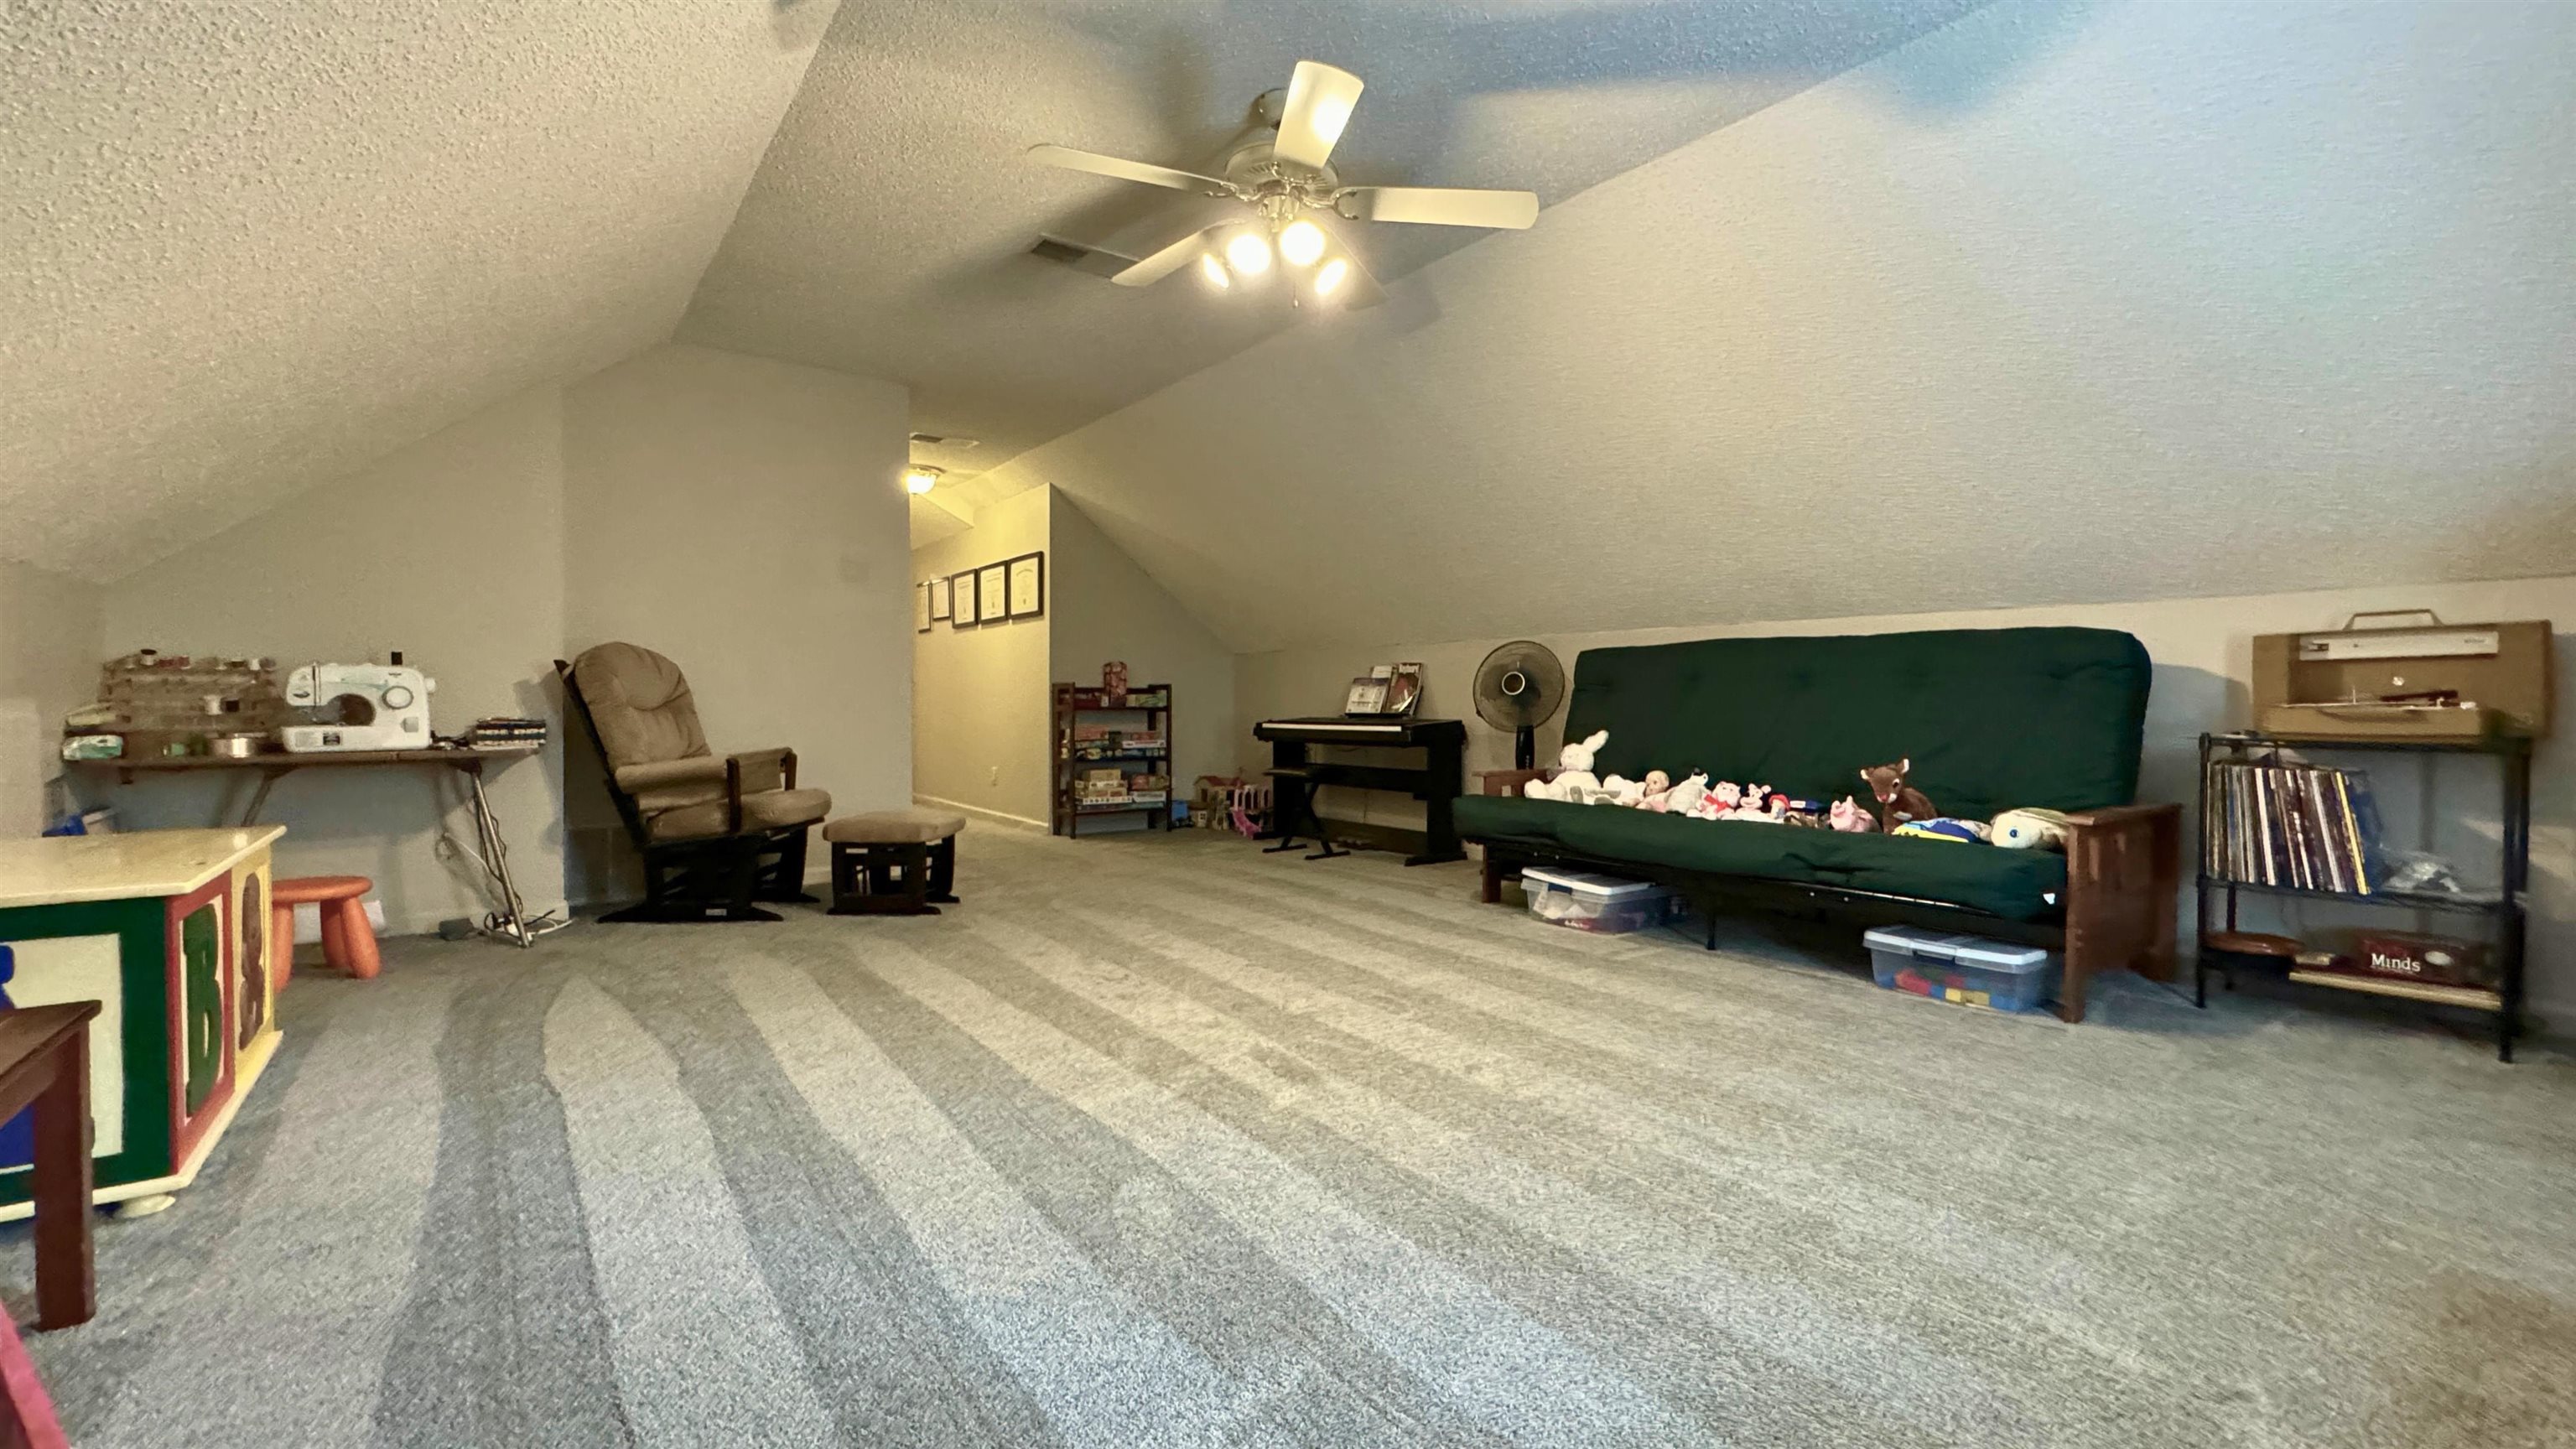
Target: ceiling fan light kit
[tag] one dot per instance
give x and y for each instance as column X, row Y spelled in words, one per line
column 1289, row 183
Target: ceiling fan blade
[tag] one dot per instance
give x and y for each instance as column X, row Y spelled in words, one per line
column 1157, row 265
column 1124, row 170
column 1442, row 206
column 1319, row 104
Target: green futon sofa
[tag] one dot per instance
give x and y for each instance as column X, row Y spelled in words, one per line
column 1993, row 719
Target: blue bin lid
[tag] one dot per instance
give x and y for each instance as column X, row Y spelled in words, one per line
column 1961, row 950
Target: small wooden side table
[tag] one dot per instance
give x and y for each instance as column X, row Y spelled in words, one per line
column 44, row 1061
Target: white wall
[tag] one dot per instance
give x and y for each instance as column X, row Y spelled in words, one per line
column 980, row 694
column 2203, row 662
column 1105, row 608
column 448, row 550
column 2070, row 301
column 51, row 626
column 745, row 517
column 741, row 515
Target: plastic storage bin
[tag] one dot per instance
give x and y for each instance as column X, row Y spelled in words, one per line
column 1968, row 970
column 1601, row 903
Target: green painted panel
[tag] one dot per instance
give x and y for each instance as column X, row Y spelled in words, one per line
column 140, row 926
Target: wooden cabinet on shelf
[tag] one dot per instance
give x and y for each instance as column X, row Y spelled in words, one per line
column 169, row 931
column 1112, row 755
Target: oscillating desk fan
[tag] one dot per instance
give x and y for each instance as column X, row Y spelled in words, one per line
column 1518, row 688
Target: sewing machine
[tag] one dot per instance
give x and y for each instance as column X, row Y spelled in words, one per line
column 379, row 707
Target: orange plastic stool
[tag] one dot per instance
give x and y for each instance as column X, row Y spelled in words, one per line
column 348, row 941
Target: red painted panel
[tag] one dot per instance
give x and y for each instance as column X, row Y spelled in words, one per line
column 186, row 1128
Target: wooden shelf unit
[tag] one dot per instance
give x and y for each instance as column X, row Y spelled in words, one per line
column 1068, row 811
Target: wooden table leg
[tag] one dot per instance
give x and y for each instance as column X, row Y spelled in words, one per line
column 66, row 1283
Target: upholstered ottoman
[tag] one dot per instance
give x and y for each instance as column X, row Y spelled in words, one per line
column 893, row 862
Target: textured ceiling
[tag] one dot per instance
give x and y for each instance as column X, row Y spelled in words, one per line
column 2065, row 302
column 246, row 248
column 886, row 232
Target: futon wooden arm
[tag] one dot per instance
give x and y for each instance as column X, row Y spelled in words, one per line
column 1509, row 782
column 2123, row 884
column 2121, row 816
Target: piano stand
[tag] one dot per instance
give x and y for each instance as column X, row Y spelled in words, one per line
column 1443, row 743
column 1285, row 818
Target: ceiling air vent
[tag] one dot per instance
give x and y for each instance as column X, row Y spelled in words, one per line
column 1079, row 257
column 935, row 440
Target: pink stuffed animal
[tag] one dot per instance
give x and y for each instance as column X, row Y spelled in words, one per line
column 1849, row 814
column 1721, row 798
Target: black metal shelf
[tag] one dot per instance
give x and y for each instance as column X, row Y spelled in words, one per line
column 2504, row 910
column 2403, row 900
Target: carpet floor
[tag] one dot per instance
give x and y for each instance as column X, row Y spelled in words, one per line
column 1165, row 1141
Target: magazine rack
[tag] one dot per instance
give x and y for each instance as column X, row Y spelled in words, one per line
column 2498, row 915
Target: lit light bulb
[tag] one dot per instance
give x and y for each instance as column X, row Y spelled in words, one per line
column 920, row 480
column 1249, row 253
column 1329, row 278
column 1302, row 243
column 1213, row 272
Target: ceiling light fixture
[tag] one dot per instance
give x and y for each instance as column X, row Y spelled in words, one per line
column 1330, row 276
column 921, row 478
column 1213, row 272
column 1302, row 243
column 1248, row 253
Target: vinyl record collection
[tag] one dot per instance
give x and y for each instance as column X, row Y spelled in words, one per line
column 2302, row 826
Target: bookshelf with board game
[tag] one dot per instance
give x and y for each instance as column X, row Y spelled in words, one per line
column 2287, row 821
column 1112, row 754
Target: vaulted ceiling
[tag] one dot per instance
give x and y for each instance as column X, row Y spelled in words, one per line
column 2062, row 303
column 888, row 230
column 245, row 250
column 1837, row 306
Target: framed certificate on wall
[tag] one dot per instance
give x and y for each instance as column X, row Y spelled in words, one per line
column 1028, row 585
column 921, row 608
column 992, row 594
column 961, row 588
column 939, row 598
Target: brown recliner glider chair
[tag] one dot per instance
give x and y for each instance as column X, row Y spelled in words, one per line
column 717, row 832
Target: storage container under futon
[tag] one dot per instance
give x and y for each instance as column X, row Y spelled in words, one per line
column 1966, row 970
column 1602, row 903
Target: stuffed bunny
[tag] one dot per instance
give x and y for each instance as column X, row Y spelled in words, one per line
column 1574, row 782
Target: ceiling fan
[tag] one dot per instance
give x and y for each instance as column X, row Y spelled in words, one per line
column 1282, row 172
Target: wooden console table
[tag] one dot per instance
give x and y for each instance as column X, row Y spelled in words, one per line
column 510, row 922
column 44, row 1063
